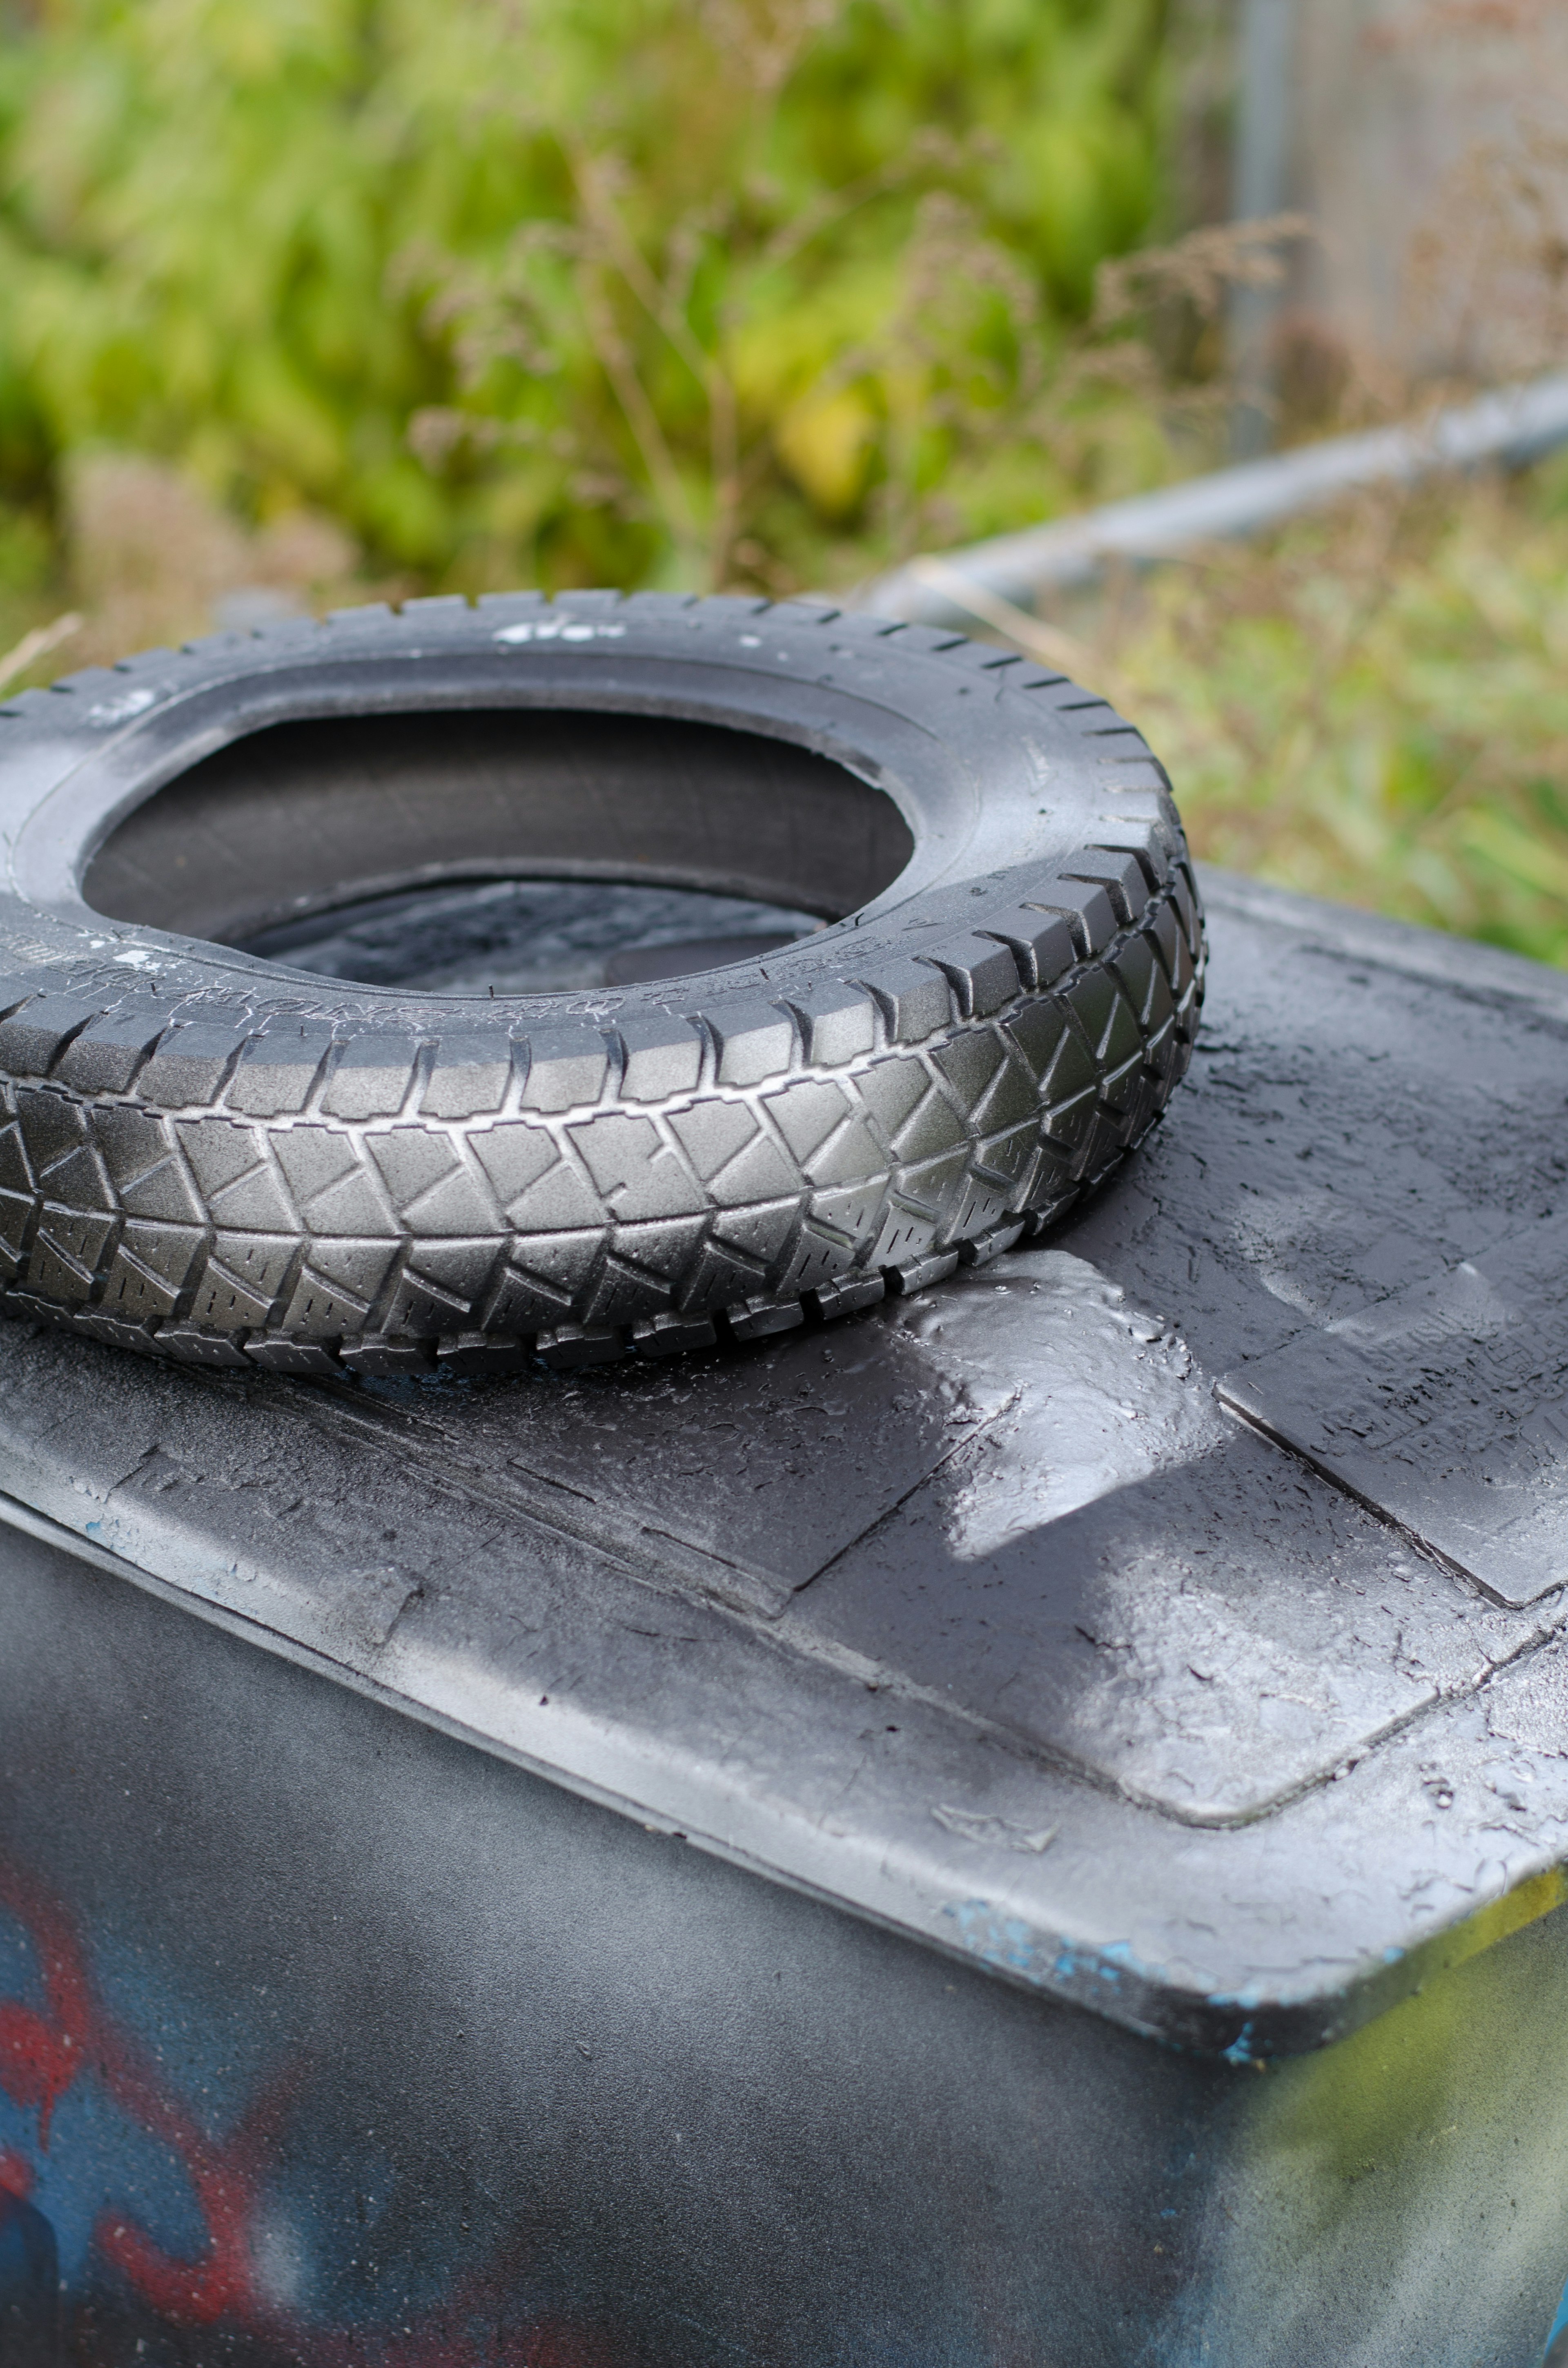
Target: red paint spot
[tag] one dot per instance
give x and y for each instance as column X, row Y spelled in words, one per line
column 40, row 2057
column 16, row 2174
column 37, row 2066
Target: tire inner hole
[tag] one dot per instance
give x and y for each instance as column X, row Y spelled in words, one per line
column 470, row 851
column 531, row 937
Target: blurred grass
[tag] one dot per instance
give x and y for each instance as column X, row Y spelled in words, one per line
column 1372, row 705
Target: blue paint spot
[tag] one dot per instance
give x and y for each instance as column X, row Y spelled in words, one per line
column 1557, row 2337
column 1240, row 2048
column 1005, row 1941
column 1013, row 1946
column 1249, row 2000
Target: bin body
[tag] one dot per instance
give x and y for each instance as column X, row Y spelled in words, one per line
column 1104, row 1911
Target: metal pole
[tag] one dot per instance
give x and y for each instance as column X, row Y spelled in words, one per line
column 1260, row 188
column 1509, row 427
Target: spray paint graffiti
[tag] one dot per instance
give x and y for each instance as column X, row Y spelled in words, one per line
column 66, row 2040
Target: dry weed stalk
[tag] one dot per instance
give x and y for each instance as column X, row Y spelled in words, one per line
column 39, row 644
column 589, row 280
column 1487, row 290
column 152, row 559
column 950, row 277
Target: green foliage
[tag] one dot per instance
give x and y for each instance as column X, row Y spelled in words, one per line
column 669, row 290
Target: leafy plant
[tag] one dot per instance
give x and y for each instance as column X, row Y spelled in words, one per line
column 624, row 290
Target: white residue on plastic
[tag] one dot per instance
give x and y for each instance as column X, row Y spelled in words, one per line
column 560, row 629
column 120, row 711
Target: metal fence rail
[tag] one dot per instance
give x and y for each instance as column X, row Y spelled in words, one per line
column 1512, row 426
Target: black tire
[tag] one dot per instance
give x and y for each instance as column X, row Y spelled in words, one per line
column 218, row 1158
